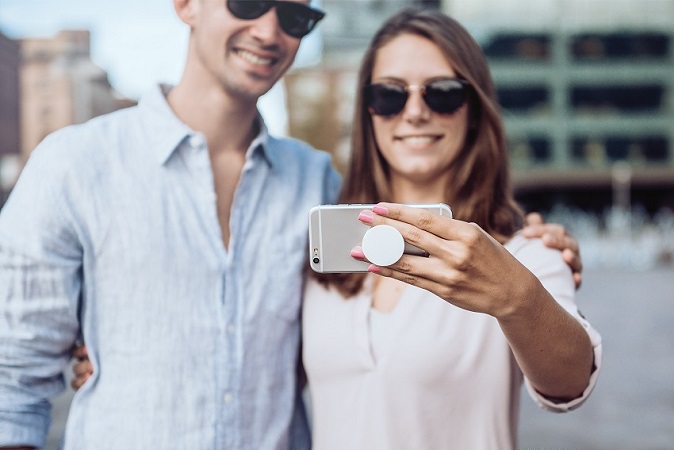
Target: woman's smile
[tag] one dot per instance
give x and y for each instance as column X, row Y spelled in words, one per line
column 420, row 141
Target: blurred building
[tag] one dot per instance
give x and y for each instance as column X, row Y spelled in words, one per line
column 349, row 24
column 47, row 84
column 10, row 60
column 586, row 87
column 61, row 86
column 588, row 97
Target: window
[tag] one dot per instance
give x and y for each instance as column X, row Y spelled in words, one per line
column 518, row 46
column 530, row 149
column 637, row 150
column 620, row 45
column 523, row 99
column 618, row 98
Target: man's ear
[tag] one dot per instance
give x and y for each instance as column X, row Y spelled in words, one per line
column 186, row 10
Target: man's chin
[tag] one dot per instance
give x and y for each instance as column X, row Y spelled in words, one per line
column 250, row 92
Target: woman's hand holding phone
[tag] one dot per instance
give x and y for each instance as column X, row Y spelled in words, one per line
column 465, row 266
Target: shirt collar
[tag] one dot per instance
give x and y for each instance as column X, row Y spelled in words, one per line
column 261, row 145
column 166, row 132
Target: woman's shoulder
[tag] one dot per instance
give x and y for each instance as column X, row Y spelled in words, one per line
column 518, row 244
column 534, row 254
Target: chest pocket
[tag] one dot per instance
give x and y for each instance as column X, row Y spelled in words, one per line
column 284, row 292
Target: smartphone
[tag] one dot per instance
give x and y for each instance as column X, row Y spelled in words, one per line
column 335, row 229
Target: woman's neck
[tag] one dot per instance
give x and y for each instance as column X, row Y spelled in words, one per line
column 410, row 192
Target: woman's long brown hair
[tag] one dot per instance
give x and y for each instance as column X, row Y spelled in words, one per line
column 479, row 189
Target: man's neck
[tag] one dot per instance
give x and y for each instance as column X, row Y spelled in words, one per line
column 228, row 124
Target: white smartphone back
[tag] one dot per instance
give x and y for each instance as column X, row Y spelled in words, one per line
column 335, row 229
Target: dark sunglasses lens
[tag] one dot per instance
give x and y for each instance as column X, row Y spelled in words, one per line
column 248, row 9
column 445, row 96
column 385, row 100
column 297, row 19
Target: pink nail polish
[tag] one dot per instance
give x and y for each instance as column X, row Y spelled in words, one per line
column 380, row 210
column 366, row 216
column 357, row 253
column 374, row 269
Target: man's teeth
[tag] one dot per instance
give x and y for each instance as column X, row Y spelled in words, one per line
column 254, row 59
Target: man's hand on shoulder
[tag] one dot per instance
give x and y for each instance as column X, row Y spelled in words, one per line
column 556, row 236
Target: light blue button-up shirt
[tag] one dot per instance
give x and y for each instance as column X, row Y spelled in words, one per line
column 112, row 233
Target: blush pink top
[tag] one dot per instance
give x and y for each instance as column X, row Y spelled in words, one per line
column 442, row 377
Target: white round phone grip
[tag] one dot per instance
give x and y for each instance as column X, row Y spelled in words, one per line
column 383, row 245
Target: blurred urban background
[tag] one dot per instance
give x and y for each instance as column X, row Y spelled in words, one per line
column 587, row 91
column 586, row 87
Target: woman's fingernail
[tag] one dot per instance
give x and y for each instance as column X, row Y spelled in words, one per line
column 374, row 269
column 357, row 252
column 380, row 210
column 366, row 216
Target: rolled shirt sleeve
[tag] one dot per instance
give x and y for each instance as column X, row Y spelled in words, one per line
column 549, row 405
column 40, row 266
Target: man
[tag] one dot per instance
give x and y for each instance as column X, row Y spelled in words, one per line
column 170, row 237
column 173, row 232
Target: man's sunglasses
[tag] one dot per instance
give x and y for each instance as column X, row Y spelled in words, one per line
column 296, row 19
column 444, row 96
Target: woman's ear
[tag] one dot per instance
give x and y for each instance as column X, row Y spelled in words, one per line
column 186, row 10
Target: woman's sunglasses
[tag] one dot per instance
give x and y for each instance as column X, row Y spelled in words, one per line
column 444, row 96
column 296, row 19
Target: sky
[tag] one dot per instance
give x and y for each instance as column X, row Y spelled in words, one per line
column 137, row 42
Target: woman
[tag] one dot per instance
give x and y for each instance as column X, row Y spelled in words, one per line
column 431, row 352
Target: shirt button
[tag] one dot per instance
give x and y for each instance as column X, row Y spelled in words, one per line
column 229, row 398
column 196, row 141
column 230, row 329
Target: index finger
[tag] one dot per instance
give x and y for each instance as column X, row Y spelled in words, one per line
column 429, row 231
column 419, row 217
column 533, row 218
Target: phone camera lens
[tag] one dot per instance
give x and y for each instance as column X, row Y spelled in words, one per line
column 316, row 260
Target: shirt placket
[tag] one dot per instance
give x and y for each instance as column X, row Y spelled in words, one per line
column 228, row 412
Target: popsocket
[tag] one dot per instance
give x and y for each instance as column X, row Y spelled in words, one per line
column 383, row 245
